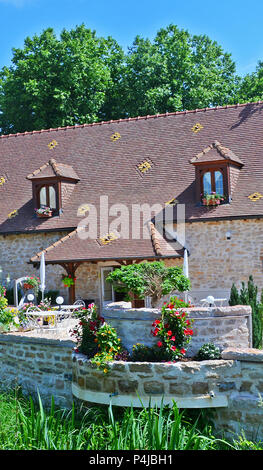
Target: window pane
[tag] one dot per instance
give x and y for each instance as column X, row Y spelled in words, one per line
column 43, row 196
column 107, row 287
column 219, row 183
column 52, row 198
column 207, row 183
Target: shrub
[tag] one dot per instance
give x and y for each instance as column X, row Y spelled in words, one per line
column 8, row 316
column 96, row 339
column 149, row 279
column 249, row 296
column 208, row 351
column 173, row 330
column 143, row 353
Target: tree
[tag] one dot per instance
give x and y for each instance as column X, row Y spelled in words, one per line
column 177, row 71
column 248, row 295
column 80, row 78
column 56, row 82
column 149, row 279
column 251, row 86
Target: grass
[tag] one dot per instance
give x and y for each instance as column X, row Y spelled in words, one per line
column 27, row 425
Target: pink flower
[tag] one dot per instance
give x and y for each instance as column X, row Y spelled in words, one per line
column 173, row 338
column 173, row 348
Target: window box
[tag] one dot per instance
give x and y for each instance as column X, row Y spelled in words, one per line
column 213, row 199
column 43, row 212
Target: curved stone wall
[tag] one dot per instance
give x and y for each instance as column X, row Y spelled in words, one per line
column 223, row 326
column 191, row 384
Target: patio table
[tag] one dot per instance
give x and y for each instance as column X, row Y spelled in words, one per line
column 55, row 319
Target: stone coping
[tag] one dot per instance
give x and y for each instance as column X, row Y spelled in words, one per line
column 16, row 337
column 243, row 354
column 120, row 311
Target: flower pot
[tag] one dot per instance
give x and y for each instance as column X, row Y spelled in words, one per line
column 27, row 286
column 44, row 216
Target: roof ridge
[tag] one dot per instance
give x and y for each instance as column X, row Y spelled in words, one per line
column 227, row 153
column 117, row 121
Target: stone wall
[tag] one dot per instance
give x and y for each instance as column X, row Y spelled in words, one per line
column 37, row 364
column 223, row 326
column 231, row 387
column 215, row 262
column 16, row 251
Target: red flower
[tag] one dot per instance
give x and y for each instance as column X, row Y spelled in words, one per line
column 169, row 333
column 159, row 344
column 187, row 331
column 173, row 338
column 173, row 348
column 183, row 351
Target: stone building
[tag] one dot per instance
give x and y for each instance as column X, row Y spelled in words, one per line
column 136, row 189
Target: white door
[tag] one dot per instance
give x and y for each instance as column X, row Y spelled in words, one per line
column 106, row 288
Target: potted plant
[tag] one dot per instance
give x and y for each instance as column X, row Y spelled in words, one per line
column 213, row 199
column 68, row 280
column 31, row 283
column 43, row 212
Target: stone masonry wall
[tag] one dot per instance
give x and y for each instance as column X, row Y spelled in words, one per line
column 37, row 364
column 215, row 262
column 223, row 326
column 16, row 251
column 231, row 387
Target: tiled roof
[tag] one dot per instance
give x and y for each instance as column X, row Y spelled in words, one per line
column 136, row 161
column 73, row 247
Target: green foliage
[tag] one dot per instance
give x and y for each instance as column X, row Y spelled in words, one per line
column 51, row 295
column 149, row 279
column 143, row 353
column 248, row 295
column 208, row 351
column 8, row 316
column 56, row 82
column 29, row 425
column 79, row 78
column 173, row 331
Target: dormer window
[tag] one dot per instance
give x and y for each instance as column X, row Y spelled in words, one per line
column 52, row 186
column 47, row 197
column 217, row 170
column 213, row 182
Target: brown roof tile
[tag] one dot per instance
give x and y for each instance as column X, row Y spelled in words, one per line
column 109, row 167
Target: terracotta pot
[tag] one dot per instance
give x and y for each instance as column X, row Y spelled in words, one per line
column 43, row 216
column 27, row 286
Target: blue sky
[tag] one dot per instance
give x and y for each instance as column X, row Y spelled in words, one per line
column 235, row 25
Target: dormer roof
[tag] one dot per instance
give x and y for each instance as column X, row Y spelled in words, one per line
column 54, row 169
column 216, row 152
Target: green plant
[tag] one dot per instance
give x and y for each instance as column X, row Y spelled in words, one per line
column 208, row 351
column 68, row 281
column 178, row 303
column 8, row 316
column 248, row 295
column 152, row 279
column 31, row 282
column 173, row 329
column 143, row 353
column 51, row 295
column 212, row 199
column 96, row 339
column 109, row 346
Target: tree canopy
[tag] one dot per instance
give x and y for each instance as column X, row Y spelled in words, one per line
column 79, row 78
column 151, row 279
